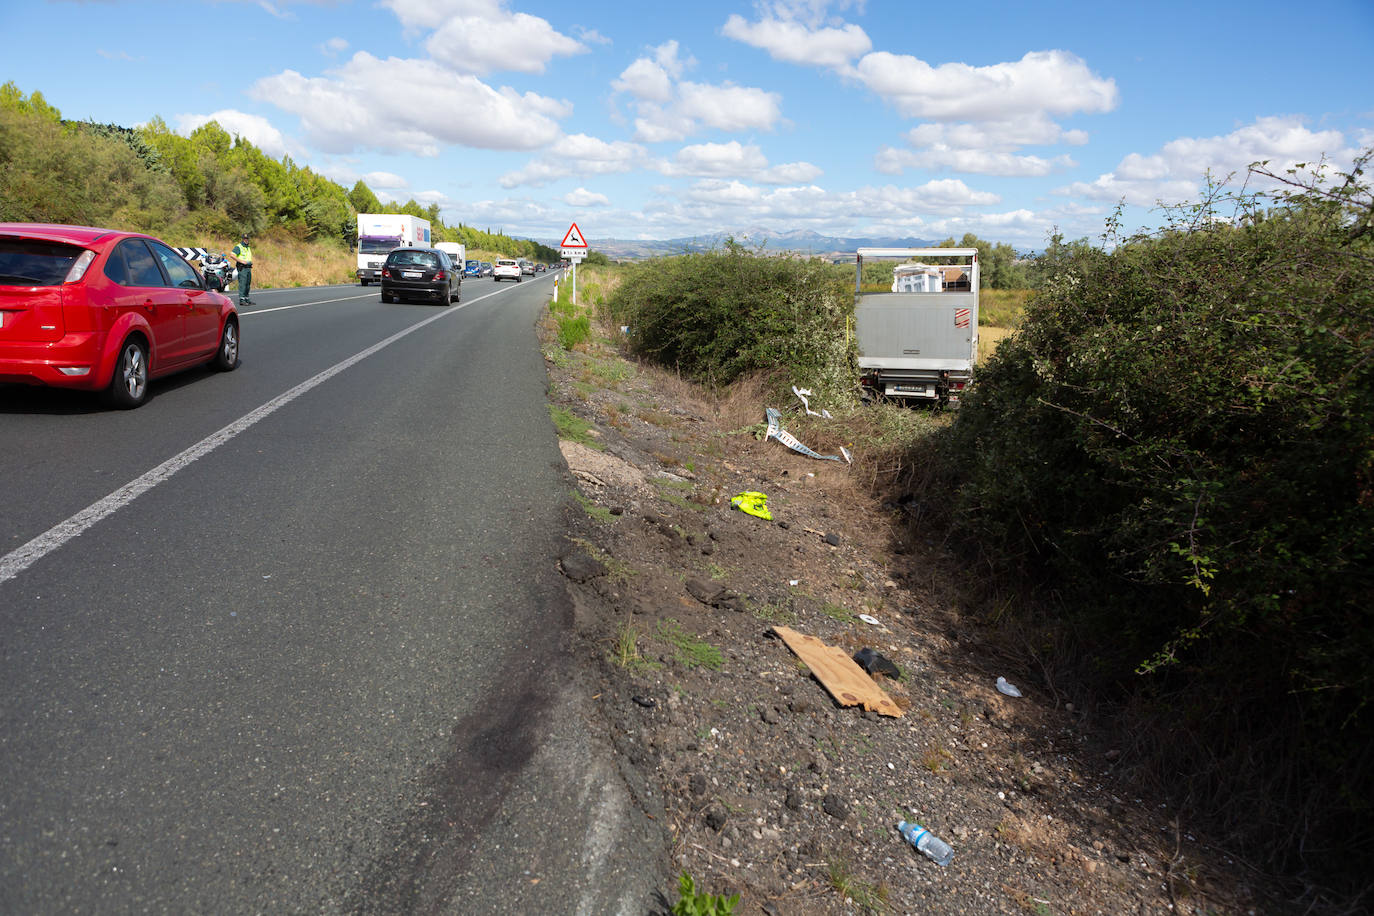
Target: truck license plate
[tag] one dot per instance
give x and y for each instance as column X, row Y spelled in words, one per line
column 911, row 389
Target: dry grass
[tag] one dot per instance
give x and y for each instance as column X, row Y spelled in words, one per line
column 988, row 339
column 279, row 263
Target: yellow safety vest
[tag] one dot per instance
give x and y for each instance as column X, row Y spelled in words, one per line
column 243, row 254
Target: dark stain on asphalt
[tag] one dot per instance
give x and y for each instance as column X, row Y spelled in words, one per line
column 422, row 858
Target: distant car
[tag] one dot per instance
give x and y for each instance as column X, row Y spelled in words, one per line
column 414, row 273
column 507, row 269
column 541, row 267
column 526, row 267
column 472, row 269
column 107, row 311
column 487, row 268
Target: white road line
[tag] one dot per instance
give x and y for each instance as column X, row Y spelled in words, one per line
column 21, row 558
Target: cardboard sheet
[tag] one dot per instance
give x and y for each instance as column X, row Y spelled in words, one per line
column 849, row 684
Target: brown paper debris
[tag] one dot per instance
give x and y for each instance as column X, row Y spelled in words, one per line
column 849, row 684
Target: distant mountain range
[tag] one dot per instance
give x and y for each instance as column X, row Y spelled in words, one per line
column 801, row 241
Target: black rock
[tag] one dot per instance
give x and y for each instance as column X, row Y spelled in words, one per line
column 833, row 540
column 705, row 591
column 835, row 806
column 579, row 567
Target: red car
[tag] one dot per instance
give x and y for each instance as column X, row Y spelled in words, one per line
column 106, row 311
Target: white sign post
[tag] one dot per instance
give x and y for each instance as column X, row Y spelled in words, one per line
column 574, row 248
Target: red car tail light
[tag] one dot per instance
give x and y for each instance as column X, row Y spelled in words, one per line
column 386, row 272
column 439, row 275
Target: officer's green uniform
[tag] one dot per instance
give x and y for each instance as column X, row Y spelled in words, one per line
column 243, row 254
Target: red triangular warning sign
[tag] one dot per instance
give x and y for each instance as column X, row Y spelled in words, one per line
column 574, row 238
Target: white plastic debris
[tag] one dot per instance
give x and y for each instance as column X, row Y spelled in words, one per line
column 802, row 395
column 775, row 431
column 1008, row 688
column 870, row 620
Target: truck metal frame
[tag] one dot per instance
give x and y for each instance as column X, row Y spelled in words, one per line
column 919, row 345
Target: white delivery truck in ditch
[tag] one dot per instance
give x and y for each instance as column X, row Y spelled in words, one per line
column 919, row 340
column 379, row 233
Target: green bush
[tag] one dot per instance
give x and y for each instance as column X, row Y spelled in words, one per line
column 720, row 315
column 1179, row 444
column 573, row 330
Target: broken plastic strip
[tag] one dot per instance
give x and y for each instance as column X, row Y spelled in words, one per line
column 775, row 431
column 802, row 395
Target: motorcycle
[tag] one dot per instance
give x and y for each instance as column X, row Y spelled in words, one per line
column 217, row 265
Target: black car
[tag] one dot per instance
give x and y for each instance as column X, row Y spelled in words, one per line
column 421, row 273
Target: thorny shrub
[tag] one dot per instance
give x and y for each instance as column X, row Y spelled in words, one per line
column 721, row 315
column 1178, row 445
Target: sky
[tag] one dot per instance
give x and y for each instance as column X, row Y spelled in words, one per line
column 653, row 120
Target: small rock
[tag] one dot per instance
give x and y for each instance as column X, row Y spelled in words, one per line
column 697, row 785
column 707, row 549
column 770, row 715
column 617, row 510
column 835, row 806
column 1113, row 755
column 794, row 800
column 833, row 540
column 819, row 765
column 579, row 567
column 704, row 591
column 784, row 525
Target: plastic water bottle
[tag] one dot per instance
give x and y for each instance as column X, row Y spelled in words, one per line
column 934, row 847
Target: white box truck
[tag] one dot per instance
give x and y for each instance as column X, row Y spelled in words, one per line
column 457, row 253
column 920, row 340
column 379, row 233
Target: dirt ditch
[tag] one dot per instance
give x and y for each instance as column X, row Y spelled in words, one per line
column 762, row 783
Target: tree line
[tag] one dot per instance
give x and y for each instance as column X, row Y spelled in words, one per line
column 208, row 185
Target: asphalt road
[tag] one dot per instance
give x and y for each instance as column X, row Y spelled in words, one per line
column 293, row 638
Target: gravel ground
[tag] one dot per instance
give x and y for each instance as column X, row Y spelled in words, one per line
column 764, row 785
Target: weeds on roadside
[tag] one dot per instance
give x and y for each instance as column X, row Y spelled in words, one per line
column 617, row 571
column 691, row 651
column 870, row 898
column 573, row 428
column 600, row 513
column 692, row 902
column 625, row 649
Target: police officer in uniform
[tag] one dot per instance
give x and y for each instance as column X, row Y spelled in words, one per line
column 243, row 260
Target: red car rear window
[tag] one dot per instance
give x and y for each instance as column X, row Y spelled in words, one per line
column 28, row 262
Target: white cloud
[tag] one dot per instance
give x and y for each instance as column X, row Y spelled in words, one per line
column 1175, row 173
column 716, row 160
column 334, row 46
column 1033, row 129
column 388, row 180
column 735, row 160
column 1048, row 82
column 576, row 155
column 790, row 173
column 519, row 42
column 651, row 78
column 483, row 36
column 354, row 107
column 670, row 109
column 584, row 198
column 256, row 129
column 729, row 107
column 891, row 161
column 794, row 42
